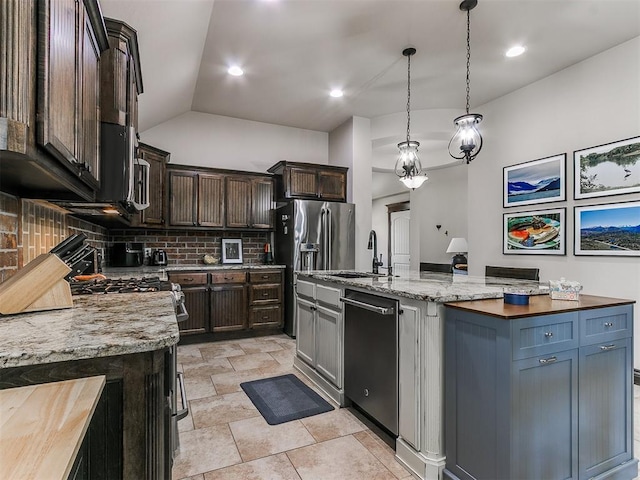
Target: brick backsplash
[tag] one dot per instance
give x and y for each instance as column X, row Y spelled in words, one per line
column 9, row 235
column 188, row 247
column 29, row 228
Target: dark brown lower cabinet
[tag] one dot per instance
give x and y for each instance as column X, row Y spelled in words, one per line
column 197, row 303
column 228, row 307
column 126, row 437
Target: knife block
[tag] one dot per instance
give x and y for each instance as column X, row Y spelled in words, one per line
column 40, row 285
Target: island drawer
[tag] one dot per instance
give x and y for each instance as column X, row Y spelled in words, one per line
column 602, row 325
column 229, row 277
column 186, row 278
column 306, row 289
column 542, row 335
column 265, row 277
column 329, row 296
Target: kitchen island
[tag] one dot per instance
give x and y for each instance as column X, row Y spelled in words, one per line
column 126, row 338
column 421, row 297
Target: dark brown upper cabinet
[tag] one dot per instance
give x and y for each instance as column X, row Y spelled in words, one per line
column 196, row 198
column 158, row 159
column 49, row 97
column 310, row 181
column 215, row 198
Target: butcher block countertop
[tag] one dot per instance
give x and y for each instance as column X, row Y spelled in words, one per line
column 42, row 426
column 97, row 326
column 538, row 305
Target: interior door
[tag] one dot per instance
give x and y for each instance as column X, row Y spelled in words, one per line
column 400, row 241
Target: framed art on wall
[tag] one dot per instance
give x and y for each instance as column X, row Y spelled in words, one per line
column 231, row 250
column 537, row 181
column 540, row 232
column 612, row 229
column 610, row 169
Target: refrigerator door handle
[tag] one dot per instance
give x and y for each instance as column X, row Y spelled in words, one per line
column 329, row 221
column 323, row 236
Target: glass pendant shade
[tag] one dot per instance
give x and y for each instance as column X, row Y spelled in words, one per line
column 467, row 137
column 408, row 166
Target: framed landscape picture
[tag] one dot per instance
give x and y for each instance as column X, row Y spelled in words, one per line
column 611, row 169
column 537, row 181
column 612, row 229
column 540, row 232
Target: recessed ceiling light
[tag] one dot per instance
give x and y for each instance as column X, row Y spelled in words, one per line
column 336, row 93
column 236, row 71
column 515, row 51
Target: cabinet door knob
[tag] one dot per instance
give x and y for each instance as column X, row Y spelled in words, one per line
column 366, row 392
column 608, row 324
column 544, row 361
column 548, row 334
column 608, row 347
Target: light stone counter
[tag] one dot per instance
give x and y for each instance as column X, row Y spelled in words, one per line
column 96, row 326
column 435, row 287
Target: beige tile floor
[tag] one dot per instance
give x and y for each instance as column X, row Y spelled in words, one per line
column 225, row 437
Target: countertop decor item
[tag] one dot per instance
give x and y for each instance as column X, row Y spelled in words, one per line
column 467, row 138
column 408, row 166
column 515, row 298
column 209, row 259
column 564, row 290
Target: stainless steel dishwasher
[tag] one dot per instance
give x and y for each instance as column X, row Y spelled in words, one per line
column 371, row 356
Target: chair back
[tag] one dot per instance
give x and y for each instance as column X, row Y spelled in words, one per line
column 435, row 267
column 512, row 272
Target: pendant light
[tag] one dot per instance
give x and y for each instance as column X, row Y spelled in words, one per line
column 408, row 166
column 467, row 138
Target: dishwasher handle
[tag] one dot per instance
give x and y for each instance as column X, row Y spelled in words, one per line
column 368, row 306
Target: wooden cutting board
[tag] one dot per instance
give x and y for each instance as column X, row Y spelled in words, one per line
column 42, row 427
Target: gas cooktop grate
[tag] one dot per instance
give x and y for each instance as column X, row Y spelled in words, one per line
column 124, row 285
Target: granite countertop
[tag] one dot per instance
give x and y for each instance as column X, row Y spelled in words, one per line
column 96, row 326
column 435, row 287
column 159, row 271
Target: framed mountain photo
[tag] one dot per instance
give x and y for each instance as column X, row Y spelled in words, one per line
column 610, row 169
column 537, row 181
column 612, row 229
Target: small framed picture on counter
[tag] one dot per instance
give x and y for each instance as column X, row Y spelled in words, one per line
column 540, row 232
column 231, row 250
column 611, row 230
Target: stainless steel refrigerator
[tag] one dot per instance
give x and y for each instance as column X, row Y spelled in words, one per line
column 312, row 235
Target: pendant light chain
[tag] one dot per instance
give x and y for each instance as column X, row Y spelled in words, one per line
column 408, row 95
column 468, row 58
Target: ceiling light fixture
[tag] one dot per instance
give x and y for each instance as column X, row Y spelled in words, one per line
column 515, row 51
column 336, row 93
column 467, row 138
column 236, row 71
column 408, row 166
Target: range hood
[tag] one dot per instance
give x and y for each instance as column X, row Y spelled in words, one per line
column 124, row 178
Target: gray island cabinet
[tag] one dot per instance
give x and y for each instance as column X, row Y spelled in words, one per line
column 320, row 342
column 539, row 391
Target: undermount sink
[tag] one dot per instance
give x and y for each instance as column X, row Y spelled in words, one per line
column 355, row 275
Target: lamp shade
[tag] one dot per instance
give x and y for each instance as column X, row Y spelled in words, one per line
column 457, row 245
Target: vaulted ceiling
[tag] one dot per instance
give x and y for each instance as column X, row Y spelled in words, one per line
column 295, row 51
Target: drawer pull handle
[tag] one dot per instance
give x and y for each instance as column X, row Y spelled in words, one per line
column 190, row 279
column 548, row 334
column 608, row 324
column 265, row 317
column 265, row 276
column 265, row 294
column 608, row 347
column 544, row 361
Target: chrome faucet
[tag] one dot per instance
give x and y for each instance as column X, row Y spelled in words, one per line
column 373, row 244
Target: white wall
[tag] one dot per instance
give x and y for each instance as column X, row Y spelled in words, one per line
column 442, row 200
column 593, row 102
column 350, row 146
column 206, row 140
column 380, row 222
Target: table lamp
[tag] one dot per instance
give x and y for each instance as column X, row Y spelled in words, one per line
column 458, row 246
